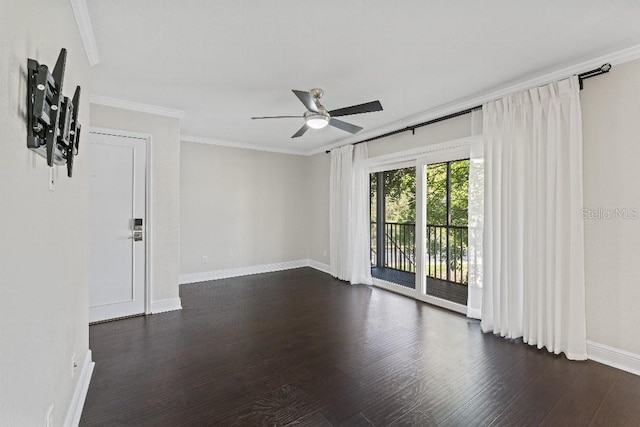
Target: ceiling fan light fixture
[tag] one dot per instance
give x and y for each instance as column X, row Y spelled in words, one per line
column 317, row 120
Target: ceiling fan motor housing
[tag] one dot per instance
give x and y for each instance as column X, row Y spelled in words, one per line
column 316, row 93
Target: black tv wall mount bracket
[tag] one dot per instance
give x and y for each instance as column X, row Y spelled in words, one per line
column 53, row 130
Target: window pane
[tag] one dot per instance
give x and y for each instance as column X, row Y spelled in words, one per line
column 437, row 194
column 459, row 192
column 393, row 234
column 446, row 230
column 373, row 179
column 400, row 195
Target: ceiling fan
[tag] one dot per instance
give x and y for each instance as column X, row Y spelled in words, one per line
column 317, row 117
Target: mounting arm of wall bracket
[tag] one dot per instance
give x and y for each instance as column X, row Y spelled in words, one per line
column 53, row 130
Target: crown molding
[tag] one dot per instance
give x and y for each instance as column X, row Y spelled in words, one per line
column 614, row 58
column 81, row 13
column 620, row 56
column 241, row 145
column 135, row 106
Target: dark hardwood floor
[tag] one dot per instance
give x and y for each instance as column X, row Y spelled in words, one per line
column 300, row 348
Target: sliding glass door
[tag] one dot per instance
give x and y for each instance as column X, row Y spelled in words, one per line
column 419, row 225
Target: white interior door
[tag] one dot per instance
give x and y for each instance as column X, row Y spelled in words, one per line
column 117, row 246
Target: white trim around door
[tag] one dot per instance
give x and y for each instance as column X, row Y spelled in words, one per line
column 147, row 138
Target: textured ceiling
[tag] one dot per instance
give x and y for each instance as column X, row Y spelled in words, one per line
column 224, row 61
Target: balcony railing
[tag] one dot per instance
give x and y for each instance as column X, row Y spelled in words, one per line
column 447, row 253
column 446, row 257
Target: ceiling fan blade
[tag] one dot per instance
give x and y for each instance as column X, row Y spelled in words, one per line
column 276, row 117
column 300, row 132
column 306, row 99
column 367, row 107
column 344, row 126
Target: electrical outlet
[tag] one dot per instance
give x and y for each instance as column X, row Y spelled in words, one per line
column 49, row 419
column 74, row 364
column 324, row 254
column 205, row 259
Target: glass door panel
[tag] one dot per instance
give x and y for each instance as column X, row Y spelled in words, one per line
column 393, row 226
column 446, row 230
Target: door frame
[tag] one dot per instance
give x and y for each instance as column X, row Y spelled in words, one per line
column 145, row 138
column 419, row 158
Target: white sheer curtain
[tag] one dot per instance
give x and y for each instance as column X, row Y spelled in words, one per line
column 341, row 182
column 349, row 215
column 360, row 219
column 475, row 218
column 533, row 283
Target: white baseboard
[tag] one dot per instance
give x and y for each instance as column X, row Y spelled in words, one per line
column 80, row 392
column 241, row 271
column 164, row 305
column 615, row 357
column 325, row 268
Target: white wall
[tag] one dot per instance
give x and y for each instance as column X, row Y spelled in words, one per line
column 447, row 130
column 229, row 195
column 611, row 125
column 165, row 197
column 241, row 208
column 43, row 234
column 318, row 167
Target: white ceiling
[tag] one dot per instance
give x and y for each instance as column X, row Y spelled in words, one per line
column 224, row 61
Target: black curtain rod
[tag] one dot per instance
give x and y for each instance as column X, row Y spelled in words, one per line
column 605, row 68
column 581, row 77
